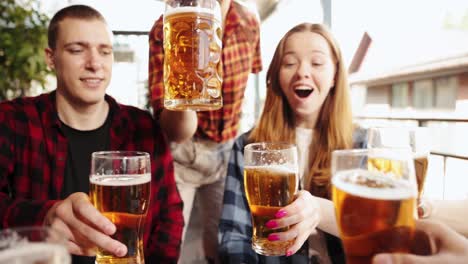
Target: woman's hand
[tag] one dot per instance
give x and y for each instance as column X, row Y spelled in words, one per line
column 302, row 215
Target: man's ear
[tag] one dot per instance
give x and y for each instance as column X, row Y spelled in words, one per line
column 49, row 56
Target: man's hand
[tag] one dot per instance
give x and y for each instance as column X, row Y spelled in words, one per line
column 178, row 125
column 450, row 247
column 85, row 227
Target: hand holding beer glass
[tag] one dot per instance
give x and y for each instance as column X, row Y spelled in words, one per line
column 120, row 190
column 375, row 209
column 33, row 245
column 271, row 182
column 192, row 55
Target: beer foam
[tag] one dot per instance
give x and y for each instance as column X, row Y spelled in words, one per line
column 35, row 253
column 274, row 168
column 394, row 190
column 420, row 155
column 193, row 9
column 120, row 180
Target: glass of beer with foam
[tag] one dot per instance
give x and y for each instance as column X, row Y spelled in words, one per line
column 33, row 245
column 120, row 190
column 415, row 138
column 270, row 182
column 192, row 55
column 375, row 209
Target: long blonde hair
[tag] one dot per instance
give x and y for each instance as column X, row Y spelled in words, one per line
column 334, row 127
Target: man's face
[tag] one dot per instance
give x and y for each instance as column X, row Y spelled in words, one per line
column 82, row 60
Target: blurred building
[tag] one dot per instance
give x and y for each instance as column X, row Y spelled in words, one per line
column 423, row 83
column 417, row 82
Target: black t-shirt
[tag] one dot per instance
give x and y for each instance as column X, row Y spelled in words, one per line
column 78, row 165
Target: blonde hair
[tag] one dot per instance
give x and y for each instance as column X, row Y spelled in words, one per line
column 333, row 129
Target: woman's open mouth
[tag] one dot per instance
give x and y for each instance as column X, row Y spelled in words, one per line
column 303, row 93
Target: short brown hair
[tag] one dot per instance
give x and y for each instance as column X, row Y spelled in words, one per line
column 74, row 11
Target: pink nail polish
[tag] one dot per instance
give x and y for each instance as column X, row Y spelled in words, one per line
column 289, row 253
column 280, row 214
column 273, row 237
column 271, row 224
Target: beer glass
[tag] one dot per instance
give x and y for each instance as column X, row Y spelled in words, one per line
column 270, row 182
column 415, row 138
column 375, row 209
column 120, row 190
column 32, row 245
column 192, row 55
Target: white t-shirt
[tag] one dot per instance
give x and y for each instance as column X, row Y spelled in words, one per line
column 303, row 141
column 317, row 242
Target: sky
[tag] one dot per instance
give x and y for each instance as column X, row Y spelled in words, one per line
column 389, row 22
column 397, row 25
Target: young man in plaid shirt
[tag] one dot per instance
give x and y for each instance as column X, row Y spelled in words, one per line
column 46, row 143
column 200, row 163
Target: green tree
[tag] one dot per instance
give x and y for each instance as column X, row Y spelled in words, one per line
column 23, row 37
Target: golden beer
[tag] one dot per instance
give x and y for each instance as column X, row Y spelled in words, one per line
column 192, row 59
column 387, row 165
column 421, row 164
column 124, row 199
column 268, row 189
column 374, row 212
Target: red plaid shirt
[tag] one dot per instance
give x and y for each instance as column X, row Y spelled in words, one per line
column 241, row 56
column 33, row 153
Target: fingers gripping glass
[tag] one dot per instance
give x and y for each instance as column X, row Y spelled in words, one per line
column 120, row 190
column 270, row 181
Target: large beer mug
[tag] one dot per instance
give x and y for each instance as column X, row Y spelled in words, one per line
column 415, row 138
column 120, row 190
column 33, row 245
column 270, row 182
column 375, row 209
column 192, row 55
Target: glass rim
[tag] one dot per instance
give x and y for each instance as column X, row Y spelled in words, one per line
column 120, row 154
column 407, row 128
column 364, row 151
column 284, row 146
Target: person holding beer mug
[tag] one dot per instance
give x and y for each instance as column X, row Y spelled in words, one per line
column 46, row 144
column 201, row 161
column 307, row 104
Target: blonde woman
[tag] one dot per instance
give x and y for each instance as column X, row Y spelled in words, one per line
column 307, row 103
